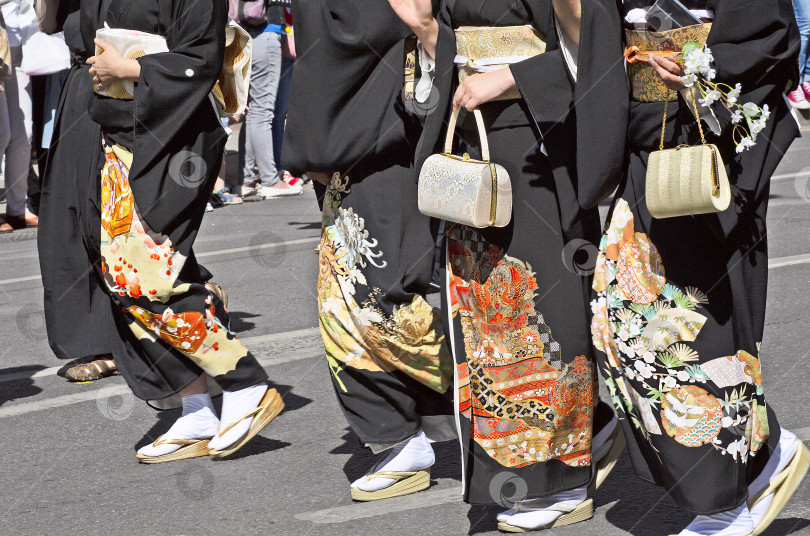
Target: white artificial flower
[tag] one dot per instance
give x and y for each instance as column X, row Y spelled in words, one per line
column 745, row 144
column 765, row 112
column 736, row 117
column 710, row 97
column 689, row 80
column 734, row 94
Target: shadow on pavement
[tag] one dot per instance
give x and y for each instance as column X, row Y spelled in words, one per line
column 239, row 321
column 21, row 387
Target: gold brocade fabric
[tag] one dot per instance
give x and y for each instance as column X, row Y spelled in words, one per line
column 497, row 42
column 409, row 68
column 647, row 86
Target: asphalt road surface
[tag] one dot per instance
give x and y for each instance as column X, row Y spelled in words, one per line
column 67, row 462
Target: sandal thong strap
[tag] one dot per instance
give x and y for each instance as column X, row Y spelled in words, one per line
column 247, row 415
column 393, row 475
column 161, row 441
column 564, row 507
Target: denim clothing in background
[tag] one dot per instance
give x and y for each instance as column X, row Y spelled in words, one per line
column 802, row 10
column 282, row 103
column 53, row 86
column 256, row 135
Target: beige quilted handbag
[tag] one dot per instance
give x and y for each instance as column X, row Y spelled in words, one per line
column 476, row 193
column 686, row 180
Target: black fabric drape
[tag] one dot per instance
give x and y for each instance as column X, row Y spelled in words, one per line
column 359, row 115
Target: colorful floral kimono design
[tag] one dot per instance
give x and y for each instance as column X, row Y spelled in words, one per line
column 657, row 380
column 361, row 335
column 525, row 404
column 141, row 269
column 366, row 346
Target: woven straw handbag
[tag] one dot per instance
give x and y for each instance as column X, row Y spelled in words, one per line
column 686, row 180
column 477, row 193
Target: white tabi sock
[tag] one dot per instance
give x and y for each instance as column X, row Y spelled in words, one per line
column 535, row 514
column 414, row 454
column 788, row 444
column 199, row 421
column 735, row 522
column 235, row 404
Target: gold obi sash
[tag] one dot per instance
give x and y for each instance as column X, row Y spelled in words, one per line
column 647, row 85
column 489, row 48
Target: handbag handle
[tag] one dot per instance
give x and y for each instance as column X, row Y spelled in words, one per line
column 482, row 133
column 697, row 117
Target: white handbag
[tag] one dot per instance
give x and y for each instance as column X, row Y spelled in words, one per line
column 44, row 54
column 477, row 193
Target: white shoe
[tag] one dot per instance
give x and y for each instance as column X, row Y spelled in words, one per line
column 270, row 192
column 209, row 208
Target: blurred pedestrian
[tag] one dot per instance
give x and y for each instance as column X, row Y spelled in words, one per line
column 256, row 137
column 799, row 97
column 78, row 316
column 16, row 127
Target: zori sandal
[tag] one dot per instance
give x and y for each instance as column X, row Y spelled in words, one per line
column 406, row 482
column 572, row 514
column 605, row 459
column 190, row 448
column 783, row 486
column 267, row 410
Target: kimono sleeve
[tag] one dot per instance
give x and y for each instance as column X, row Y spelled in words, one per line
column 174, row 83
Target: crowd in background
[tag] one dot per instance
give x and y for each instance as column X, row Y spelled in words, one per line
column 34, row 65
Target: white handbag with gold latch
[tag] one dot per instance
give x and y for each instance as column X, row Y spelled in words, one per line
column 477, row 193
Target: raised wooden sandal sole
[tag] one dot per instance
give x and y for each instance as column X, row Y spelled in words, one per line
column 194, row 450
column 784, row 490
column 418, row 482
column 582, row 512
column 271, row 405
column 608, row 462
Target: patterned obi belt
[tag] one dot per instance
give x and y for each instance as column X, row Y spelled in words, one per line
column 483, row 49
column 647, row 85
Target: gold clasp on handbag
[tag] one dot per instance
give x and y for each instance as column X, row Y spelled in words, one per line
column 466, row 157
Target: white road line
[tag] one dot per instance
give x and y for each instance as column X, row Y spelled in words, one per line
column 788, row 261
column 201, row 255
column 105, row 392
column 248, row 341
column 351, row 512
column 790, row 175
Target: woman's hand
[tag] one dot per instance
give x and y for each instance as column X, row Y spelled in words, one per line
column 109, row 66
column 320, row 176
column 669, row 71
column 418, row 15
column 481, row 88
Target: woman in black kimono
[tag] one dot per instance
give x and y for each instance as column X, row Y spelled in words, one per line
column 679, row 310
column 150, row 174
column 77, row 310
column 516, row 298
column 349, row 126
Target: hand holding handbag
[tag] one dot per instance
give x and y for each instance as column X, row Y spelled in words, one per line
column 686, row 180
column 477, row 193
